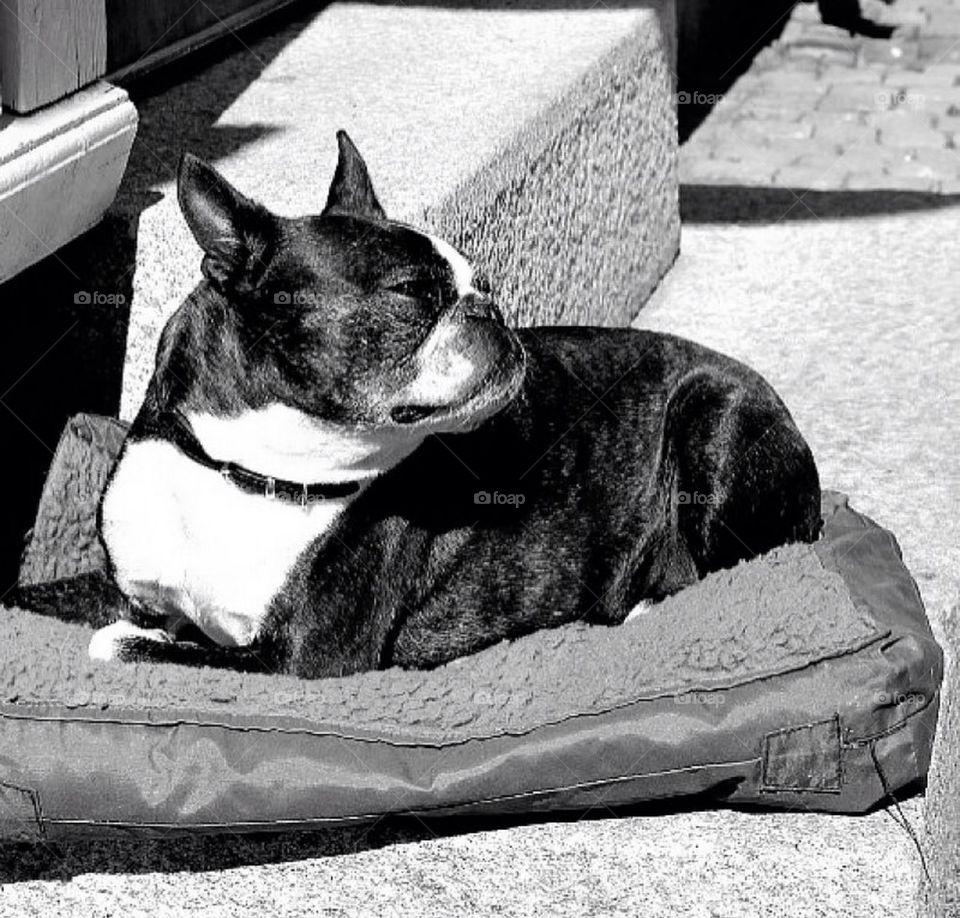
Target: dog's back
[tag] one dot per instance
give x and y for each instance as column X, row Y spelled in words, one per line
column 604, row 483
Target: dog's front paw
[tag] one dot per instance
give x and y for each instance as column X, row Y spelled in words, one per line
column 641, row 609
column 120, row 641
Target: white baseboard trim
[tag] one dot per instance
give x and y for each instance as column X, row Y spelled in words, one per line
column 60, row 168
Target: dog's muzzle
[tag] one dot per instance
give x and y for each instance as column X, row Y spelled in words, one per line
column 468, row 363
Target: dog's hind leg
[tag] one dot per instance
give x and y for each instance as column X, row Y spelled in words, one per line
column 745, row 479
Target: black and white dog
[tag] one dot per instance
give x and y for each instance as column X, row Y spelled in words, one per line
column 346, row 460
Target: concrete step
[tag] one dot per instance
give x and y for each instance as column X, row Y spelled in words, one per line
column 869, row 373
column 541, row 140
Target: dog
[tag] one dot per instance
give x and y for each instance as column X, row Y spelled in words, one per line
column 346, row 460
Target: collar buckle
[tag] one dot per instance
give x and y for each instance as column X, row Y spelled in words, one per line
column 271, row 488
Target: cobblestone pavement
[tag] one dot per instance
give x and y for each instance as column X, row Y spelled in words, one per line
column 822, row 110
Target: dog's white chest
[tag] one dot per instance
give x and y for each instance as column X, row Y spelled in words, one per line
column 185, row 541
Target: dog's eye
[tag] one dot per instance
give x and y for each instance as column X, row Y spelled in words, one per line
column 411, row 288
column 424, row 289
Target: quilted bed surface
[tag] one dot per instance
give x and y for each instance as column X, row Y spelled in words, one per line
column 770, row 615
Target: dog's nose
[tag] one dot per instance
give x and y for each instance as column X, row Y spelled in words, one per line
column 478, row 305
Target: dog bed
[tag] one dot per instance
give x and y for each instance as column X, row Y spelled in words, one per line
column 804, row 678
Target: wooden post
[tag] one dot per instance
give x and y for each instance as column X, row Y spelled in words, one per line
column 49, row 48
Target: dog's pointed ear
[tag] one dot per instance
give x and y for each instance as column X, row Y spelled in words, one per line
column 234, row 232
column 351, row 190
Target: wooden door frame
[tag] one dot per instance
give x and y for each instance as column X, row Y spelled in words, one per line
column 49, row 49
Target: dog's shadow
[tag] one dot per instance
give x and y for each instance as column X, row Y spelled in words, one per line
column 178, row 853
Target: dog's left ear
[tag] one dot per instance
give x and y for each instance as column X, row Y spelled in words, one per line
column 234, row 232
column 352, row 191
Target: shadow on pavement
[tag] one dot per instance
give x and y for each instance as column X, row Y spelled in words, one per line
column 192, row 853
column 702, row 204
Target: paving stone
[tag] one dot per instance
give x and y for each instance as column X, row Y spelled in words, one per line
column 787, row 105
column 868, row 74
column 766, row 159
column 723, row 172
column 904, row 18
column 842, row 131
column 805, row 13
column 912, row 6
column 826, row 160
column 828, row 111
column 771, row 131
column 847, row 97
column 941, row 50
column 817, row 32
column 810, row 177
column 866, row 159
column 810, row 65
column 898, row 53
column 913, row 168
column 936, row 103
column 800, row 92
column 789, row 151
column 768, row 57
column 785, row 78
column 730, row 107
column 934, row 74
column 793, row 32
column 777, row 110
column 824, row 53
column 860, row 182
column 911, row 138
column 709, row 134
column 946, row 162
column 943, row 22
column 901, row 124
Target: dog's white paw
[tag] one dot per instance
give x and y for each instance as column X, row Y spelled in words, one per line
column 107, row 642
column 642, row 608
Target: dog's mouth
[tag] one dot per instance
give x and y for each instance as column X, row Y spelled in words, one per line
column 492, row 393
column 472, row 369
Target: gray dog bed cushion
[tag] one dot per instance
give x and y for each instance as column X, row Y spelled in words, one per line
column 807, row 677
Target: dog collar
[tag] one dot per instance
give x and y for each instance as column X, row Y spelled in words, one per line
column 174, row 427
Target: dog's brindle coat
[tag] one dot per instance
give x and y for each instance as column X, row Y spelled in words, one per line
column 351, row 350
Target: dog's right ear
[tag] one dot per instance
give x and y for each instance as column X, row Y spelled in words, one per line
column 234, row 232
column 351, row 190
